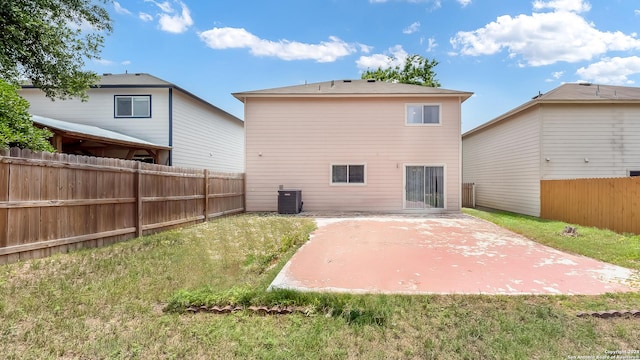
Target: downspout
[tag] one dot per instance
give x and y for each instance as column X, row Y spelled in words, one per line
column 171, row 126
column 460, row 154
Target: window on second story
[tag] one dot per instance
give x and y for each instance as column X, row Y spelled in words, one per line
column 132, row 106
column 423, row 114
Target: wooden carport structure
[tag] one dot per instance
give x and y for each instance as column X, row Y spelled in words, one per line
column 80, row 139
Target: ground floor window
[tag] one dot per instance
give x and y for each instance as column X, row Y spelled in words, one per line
column 634, row 173
column 424, row 187
column 347, row 174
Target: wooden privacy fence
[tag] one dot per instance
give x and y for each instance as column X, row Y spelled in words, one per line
column 469, row 195
column 603, row 203
column 57, row 202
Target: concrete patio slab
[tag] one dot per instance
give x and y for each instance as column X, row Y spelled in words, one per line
column 454, row 254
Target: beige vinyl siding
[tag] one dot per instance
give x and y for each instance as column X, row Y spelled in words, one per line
column 608, row 135
column 99, row 111
column 504, row 163
column 204, row 137
column 293, row 142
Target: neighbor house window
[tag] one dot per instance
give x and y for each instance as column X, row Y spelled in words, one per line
column 138, row 106
column 423, row 114
column 347, row 174
column 634, row 173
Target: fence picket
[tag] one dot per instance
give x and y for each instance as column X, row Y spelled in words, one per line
column 609, row 203
column 114, row 200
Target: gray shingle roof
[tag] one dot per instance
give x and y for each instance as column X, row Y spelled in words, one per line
column 592, row 92
column 585, row 93
column 352, row 88
column 140, row 79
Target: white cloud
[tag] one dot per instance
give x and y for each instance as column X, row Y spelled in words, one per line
column 164, row 6
column 544, row 38
column 614, row 70
column 120, row 9
column 103, row 62
column 394, row 56
column 563, row 5
column 555, row 76
column 126, row 62
column 412, row 28
column 464, row 3
column 637, row 12
column 325, row 51
column 145, row 17
column 436, row 4
column 176, row 23
column 432, row 44
column 170, row 20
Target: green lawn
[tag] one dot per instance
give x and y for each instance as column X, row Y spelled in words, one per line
column 126, row 301
column 605, row 245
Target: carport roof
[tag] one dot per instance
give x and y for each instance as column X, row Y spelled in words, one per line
column 95, row 133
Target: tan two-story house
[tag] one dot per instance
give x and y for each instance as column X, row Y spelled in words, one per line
column 354, row 145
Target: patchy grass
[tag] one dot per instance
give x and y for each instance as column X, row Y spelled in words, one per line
column 605, row 245
column 108, row 303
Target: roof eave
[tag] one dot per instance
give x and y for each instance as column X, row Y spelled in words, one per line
column 243, row 96
column 534, row 102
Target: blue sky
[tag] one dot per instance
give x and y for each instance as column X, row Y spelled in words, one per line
column 503, row 51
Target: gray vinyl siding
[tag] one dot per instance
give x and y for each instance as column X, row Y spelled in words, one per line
column 204, row 137
column 99, row 111
column 608, row 135
column 293, row 142
column 504, row 163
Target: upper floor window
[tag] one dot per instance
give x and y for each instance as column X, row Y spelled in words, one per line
column 423, row 114
column 347, row 174
column 137, row 106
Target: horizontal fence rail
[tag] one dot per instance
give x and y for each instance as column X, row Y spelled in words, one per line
column 53, row 203
column 611, row 203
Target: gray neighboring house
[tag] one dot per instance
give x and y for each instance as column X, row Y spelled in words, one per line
column 573, row 131
column 196, row 133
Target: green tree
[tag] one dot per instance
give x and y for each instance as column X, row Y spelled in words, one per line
column 16, row 127
column 47, row 41
column 416, row 70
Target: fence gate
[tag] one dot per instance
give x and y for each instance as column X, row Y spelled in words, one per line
column 469, row 195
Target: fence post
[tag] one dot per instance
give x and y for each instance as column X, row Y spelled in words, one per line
column 473, row 194
column 138, row 193
column 206, row 195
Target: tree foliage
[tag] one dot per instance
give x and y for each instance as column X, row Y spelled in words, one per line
column 416, row 70
column 16, row 127
column 47, row 41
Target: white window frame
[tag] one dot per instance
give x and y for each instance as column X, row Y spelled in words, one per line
column 364, row 165
column 133, row 98
column 406, row 114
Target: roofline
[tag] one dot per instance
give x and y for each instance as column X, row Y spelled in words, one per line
column 168, row 85
column 242, row 96
column 535, row 102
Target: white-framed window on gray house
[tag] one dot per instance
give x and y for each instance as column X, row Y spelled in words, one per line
column 132, row 106
column 348, row 174
column 423, row 114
